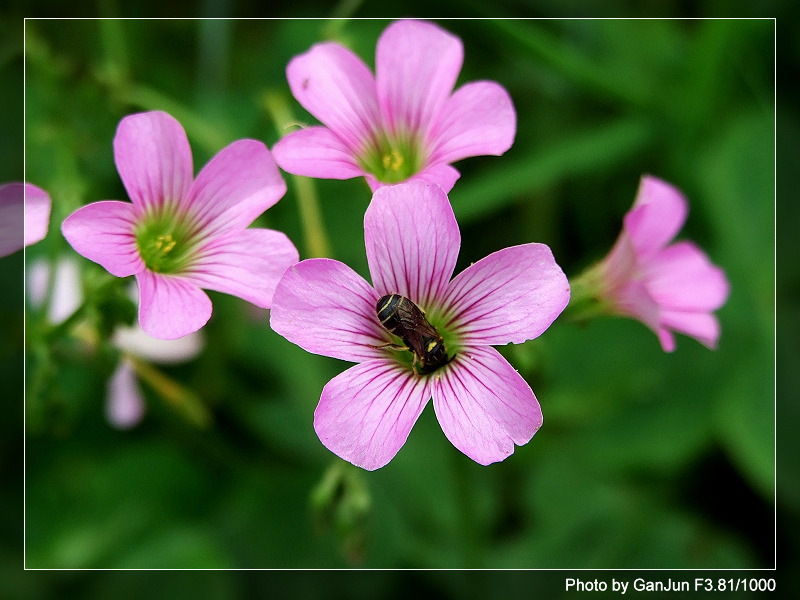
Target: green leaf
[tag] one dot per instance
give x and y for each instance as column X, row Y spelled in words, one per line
column 577, row 154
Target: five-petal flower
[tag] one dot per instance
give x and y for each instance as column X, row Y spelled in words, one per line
column 668, row 287
column 182, row 234
column 403, row 123
column 484, row 406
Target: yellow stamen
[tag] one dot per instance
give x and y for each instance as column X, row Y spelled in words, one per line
column 393, row 160
column 165, row 243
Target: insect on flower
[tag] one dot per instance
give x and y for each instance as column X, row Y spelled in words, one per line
column 402, row 317
column 411, row 237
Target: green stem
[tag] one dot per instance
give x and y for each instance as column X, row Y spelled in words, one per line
column 314, row 230
column 99, row 291
column 314, row 233
column 343, row 11
column 176, row 395
column 585, row 302
column 71, row 321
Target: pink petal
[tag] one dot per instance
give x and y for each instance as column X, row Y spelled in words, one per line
column 235, row 187
column 412, row 241
column 248, row 264
column 666, row 339
column 103, row 233
column 682, row 278
column 703, row 327
column 326, row 308
column 634, row 300
column 124, row 404
column 657, row 216
column 484, row 406
column 479, row 118
column 153, row 158
column 316, row 152
column 366, row 413
column 37, row 214
column 619, row 267
column 442, row 175
column 335, row 86
column 416, row 67
column 170, row 307
column 12, row 218
column 512, row 295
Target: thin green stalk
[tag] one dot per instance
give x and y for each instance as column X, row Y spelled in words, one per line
column 176, row 395
column 584, row 302
column 314, row 233
column 99, row 290
column 60, row 330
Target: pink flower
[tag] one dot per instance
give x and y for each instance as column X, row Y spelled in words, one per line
column 667, row 287
column 125, row 406
column 24, row 216
column 484, row 406
column 403, row 123
column 182, row 234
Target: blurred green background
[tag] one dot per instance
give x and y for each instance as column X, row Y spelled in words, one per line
column 645, row 460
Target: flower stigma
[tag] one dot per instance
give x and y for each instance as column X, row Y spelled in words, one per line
column 392, row 160
column 164, row 242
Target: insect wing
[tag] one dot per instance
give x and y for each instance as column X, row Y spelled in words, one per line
column 402, row 317
column 409, row 316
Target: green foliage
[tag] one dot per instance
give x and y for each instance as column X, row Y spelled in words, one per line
column 641, row 452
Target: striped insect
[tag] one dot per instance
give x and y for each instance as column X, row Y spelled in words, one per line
column 406, row 320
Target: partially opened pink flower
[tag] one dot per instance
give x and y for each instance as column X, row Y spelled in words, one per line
column 24, row 216
column 668, row 287
column 412, row 240
column 405, row 122
column 182, row 234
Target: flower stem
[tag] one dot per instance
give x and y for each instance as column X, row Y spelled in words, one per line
column 67, row 324
column 341, row 501
column 176, row 395
column 310, row 215
column 584, row 302
column 343, row 10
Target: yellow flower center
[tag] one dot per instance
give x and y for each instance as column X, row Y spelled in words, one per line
column 392, row 159
column 165, row 241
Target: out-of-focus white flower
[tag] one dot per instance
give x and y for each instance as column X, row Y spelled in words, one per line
column 125, row 407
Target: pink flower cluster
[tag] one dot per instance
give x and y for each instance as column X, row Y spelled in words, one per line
column 416, row 332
